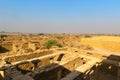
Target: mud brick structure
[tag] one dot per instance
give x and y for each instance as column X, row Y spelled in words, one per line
column 24, row 59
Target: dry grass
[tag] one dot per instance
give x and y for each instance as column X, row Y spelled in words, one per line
column 104, row 42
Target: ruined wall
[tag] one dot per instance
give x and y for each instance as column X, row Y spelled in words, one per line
column 8, row 46
column 55, row 71
column 27, row 56
column 34, row 45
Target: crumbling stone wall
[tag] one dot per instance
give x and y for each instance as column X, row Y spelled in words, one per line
column 34, row 45
column 8, row 46
column 53, row 71
column 26, row 56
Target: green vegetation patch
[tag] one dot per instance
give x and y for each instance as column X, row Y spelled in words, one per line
column 88, row 36
column 51, row 43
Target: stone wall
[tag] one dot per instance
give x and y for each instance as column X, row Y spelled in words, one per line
column 27, row 56
column 8, row 46
column 55, row 71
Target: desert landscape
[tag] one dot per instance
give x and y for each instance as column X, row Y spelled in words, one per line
column 59, row 39
column 59, row 57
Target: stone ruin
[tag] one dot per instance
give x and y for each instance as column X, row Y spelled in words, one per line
column 65, row 63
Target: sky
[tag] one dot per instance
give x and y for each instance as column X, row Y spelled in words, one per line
column 60, row 16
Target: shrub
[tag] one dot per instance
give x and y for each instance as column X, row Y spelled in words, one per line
column 2, row 36
column 87, row 36
column 77, row 36
column 59, row 37
column 51, row 43
column 41, row 34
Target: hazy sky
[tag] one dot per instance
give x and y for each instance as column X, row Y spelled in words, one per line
column 60, row 16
